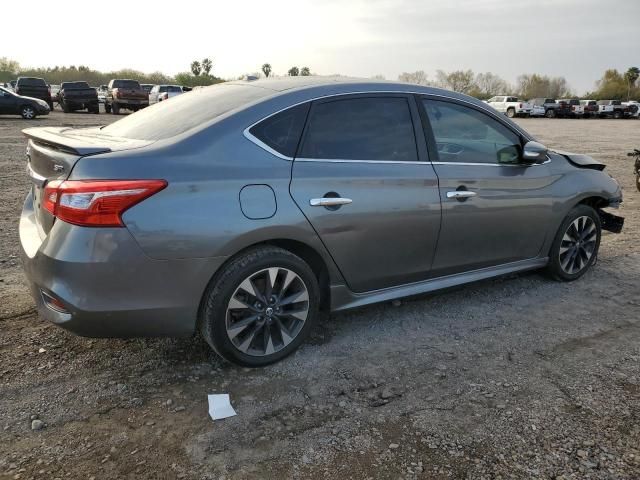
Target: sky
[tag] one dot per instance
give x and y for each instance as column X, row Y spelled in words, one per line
column 577, row 39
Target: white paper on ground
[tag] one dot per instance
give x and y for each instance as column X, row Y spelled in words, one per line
column 220, row 407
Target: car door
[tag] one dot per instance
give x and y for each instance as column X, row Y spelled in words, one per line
column 495, row 208
column 500, row 104
column 7, row 103
column 362, row 179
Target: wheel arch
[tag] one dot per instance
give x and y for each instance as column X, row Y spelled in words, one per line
column 307, row 253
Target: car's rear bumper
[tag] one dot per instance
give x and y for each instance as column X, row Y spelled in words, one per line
column 108, row 286
column 131, row 101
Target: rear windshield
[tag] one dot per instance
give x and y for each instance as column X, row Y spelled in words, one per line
column 125, row 84
column 573, row 102
column 75, row 85
column 184, row 112
column 31, row 82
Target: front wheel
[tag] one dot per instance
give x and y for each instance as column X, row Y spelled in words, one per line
column 550, row 113
column 575, row 247
column 260, row 307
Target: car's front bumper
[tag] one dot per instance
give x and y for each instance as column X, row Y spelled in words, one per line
column 108, row 286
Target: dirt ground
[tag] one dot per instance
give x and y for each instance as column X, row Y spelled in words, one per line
column 519, row 377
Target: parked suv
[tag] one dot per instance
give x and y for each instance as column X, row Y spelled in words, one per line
column 241, row 209
column 35, row 88
column 510, row 106
column 78, row 96
column 126, row 94
column 551, row 107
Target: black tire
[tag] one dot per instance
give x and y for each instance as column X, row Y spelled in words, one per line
column 511, row 113
column 65, row 107
column 214, row 307
column 555, row 267
column 638, row 181
column 617, row 114
column 107, row 107
column 94, row 108
column 28, row 112
column 50, row 106
column 115, row 108
column 551, row 113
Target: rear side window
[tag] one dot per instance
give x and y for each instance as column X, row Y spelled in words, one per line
column 282, row 131
column 364, row 128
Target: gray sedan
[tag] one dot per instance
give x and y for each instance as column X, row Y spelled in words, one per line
column 242, row 209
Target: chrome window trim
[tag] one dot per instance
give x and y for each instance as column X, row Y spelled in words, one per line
column 344, row 160
column 247, row 134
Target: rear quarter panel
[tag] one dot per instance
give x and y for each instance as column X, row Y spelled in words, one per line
column 199, row 214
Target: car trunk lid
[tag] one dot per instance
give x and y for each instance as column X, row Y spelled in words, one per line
column 53, row 152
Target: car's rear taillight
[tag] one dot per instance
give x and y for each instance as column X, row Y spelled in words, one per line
column 96, row 203
column 520, row 105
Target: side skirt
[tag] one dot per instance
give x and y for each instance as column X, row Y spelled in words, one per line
column 342, row 298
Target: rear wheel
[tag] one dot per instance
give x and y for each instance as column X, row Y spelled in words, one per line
column 617, row 114
column 511, row 112
column 28, row 112
column 575, row 247
column 115, row 108
column 94, row 108
column 65, row 107
column 107, row 107
column 551, row 113
column 261, row 307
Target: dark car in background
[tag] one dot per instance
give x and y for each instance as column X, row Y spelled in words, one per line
column 35, row 88
column 241, row 209
column 590, row 108
column 78, row 96
column 127, row 94
column 27, row 107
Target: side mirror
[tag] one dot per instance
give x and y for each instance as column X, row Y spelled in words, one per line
column 534, row 152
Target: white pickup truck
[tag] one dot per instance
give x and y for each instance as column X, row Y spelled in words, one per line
column 510, row 106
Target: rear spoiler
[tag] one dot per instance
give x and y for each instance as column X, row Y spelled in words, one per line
column 67, row 140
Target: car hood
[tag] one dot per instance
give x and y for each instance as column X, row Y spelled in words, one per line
column 581, row 161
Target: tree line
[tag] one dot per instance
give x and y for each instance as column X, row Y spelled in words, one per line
column 613, row 85
column 199, row 74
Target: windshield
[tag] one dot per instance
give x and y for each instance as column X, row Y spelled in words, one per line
column 184, row 112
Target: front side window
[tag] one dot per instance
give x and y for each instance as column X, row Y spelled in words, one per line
column 282, row 131
column 466, row 135
column 362, row 128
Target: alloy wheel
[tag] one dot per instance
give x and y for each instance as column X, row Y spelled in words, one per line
column 267, row 311
column 578, row 245
column 28, row 113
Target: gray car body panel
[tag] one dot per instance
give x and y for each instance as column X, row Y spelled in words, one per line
column 149, row 278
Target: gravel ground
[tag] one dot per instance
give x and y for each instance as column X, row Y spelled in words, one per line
column 519, row 377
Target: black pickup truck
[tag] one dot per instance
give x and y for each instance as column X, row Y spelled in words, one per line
column 35, row 88
column 78, row 96
column 552, row 108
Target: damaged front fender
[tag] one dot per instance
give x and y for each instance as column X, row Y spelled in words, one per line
column 610, row 222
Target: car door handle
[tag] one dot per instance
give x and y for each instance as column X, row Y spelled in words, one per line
column 329, row 201
column 461, row 194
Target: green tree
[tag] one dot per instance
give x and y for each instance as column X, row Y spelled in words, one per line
column 631, row 76
column 305, row 72
column 266, row 69
column 206, row 64
column 196, row 68
column 294, row 72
